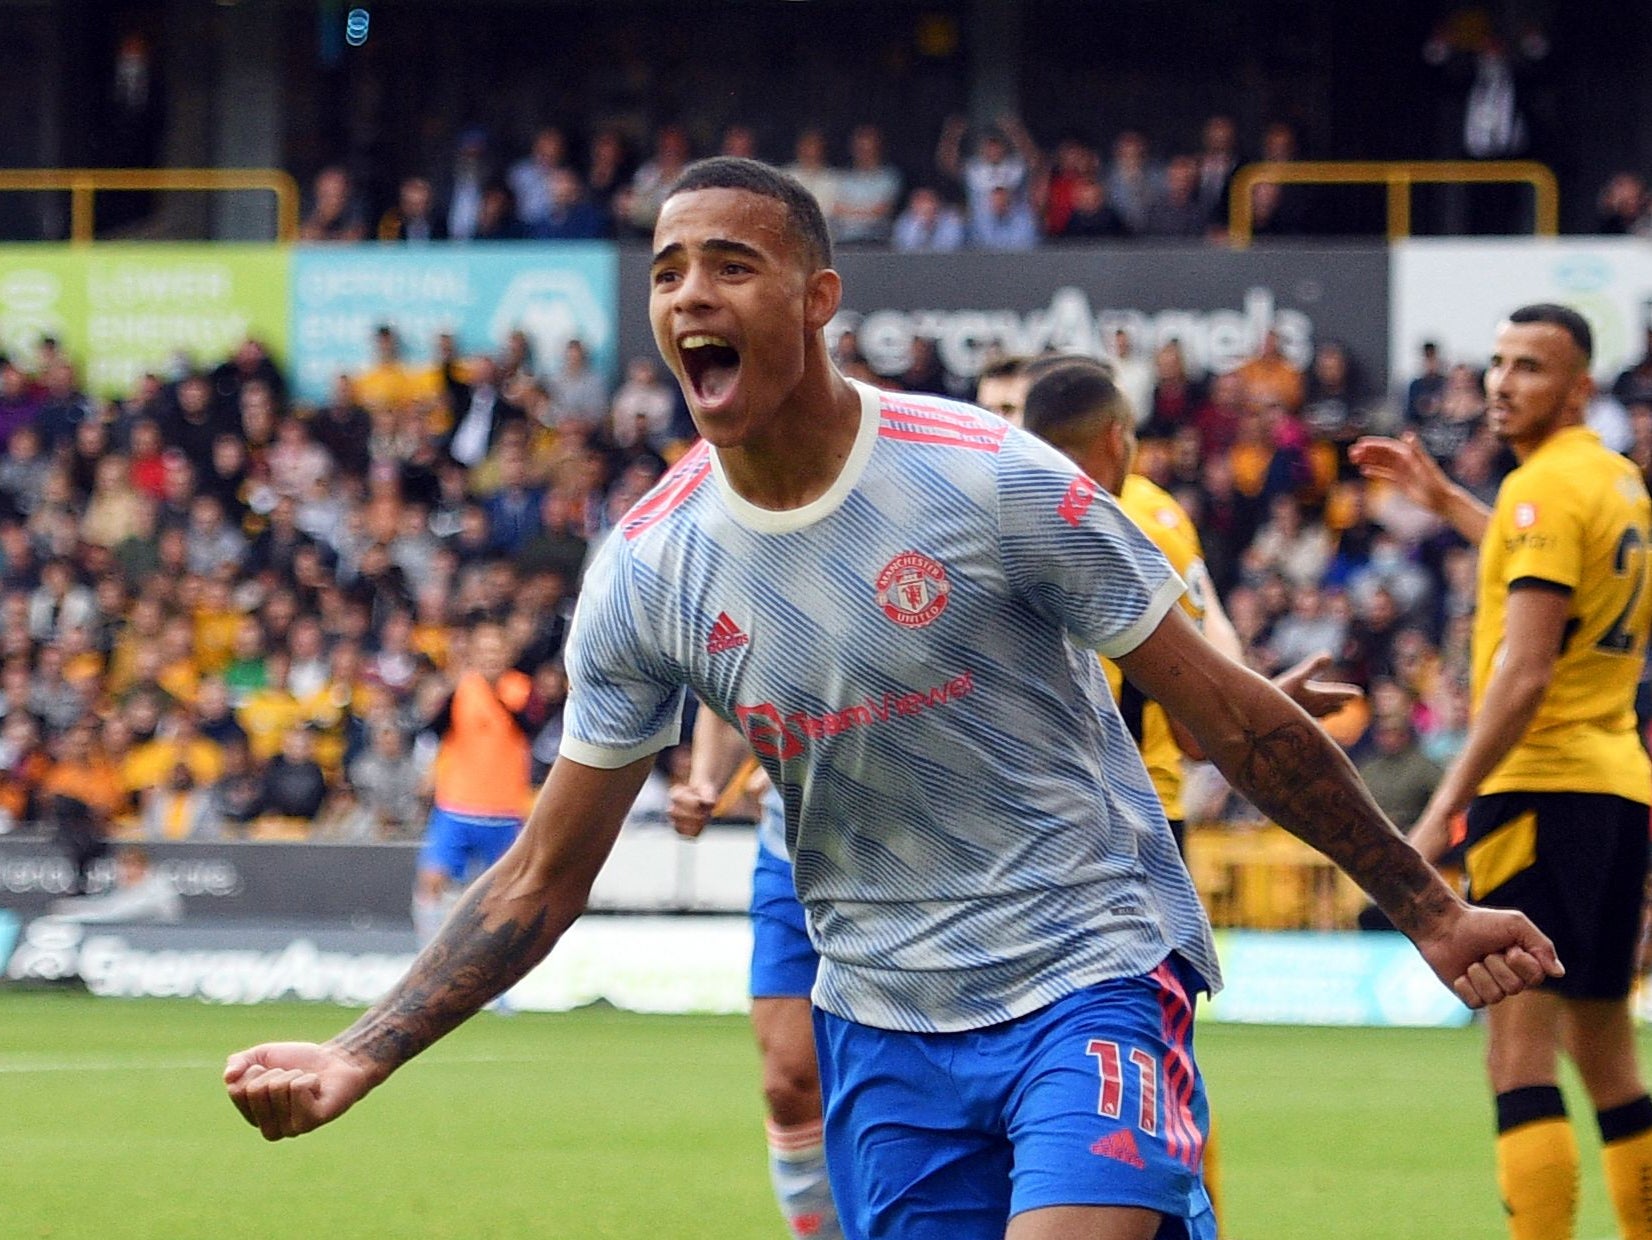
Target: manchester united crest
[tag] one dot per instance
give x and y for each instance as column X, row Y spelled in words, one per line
column 913, row 589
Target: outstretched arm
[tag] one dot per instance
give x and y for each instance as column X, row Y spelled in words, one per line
column 503, row 927
column 1533, row 631
column 1406, row 464
column 1277, row 756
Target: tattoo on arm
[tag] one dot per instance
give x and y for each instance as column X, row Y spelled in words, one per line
column 1298, row 777
column 465, row 965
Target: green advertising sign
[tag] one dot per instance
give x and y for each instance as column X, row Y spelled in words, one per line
column 121, row 310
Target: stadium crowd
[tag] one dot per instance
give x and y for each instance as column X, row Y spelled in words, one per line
column 223, row 613
column 992, row 188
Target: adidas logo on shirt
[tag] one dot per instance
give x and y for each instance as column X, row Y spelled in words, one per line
column 725, row 635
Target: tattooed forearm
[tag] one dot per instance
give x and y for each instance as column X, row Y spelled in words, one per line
column 488, row 944
column 1298, row 776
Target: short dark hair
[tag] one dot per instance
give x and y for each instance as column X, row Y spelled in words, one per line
column 731, row 172
column 1078, row 390
column 1563, row 317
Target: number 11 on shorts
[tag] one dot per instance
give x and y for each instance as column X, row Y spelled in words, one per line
column 1111, row 1065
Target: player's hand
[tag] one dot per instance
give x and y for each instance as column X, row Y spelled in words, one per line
column 1405, row 463
column 285, row 1089
column 1487, row 954
column 1318, row 697
column 690, row 809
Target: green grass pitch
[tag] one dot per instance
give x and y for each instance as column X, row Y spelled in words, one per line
column 604, row 1124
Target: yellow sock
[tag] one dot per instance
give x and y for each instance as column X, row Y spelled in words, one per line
column 1537, row 1164
column 1627, row 1156
column 1213, row 1175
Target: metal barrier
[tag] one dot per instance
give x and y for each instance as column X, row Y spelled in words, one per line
column 83, row 183
column 1399, row 176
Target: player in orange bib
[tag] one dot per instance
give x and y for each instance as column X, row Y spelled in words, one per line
column 482, row 791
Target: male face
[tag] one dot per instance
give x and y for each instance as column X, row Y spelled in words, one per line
column 1537, row 382
column 1004, row 395
column 734, row 300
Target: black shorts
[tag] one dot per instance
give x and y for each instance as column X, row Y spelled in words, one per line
column 1576, row 864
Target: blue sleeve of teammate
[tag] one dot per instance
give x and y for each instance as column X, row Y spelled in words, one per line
column 1074, row 556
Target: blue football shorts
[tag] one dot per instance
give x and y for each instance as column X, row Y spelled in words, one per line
column 1094, row 1100
column 783, row 962
column 463, row 844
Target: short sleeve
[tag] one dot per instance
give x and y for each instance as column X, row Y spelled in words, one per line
column 625, row 700
column 1074, row 556
column 1541, row 529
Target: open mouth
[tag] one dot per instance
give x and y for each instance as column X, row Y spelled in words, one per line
column 712, row 365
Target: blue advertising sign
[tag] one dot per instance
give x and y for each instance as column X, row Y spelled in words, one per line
column 1329, row 979
column 553, row 292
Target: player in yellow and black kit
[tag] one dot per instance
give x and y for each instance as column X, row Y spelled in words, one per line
column 1074, row 404
column 1553, row 775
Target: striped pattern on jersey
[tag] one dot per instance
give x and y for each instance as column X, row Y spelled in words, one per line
column 973, row 833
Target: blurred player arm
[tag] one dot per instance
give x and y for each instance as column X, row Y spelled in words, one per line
column 717, row 768
column 1407, row 464
column 1533, row 633
column 1273, row 753
column 505, row 925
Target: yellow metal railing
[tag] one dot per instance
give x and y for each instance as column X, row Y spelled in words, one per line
column 83, row 183
column 1399, row 176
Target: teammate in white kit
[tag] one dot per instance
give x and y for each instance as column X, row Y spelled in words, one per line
column 895, row 600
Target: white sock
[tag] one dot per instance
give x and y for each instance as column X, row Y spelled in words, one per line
column 429, row 914
column 797, row 1168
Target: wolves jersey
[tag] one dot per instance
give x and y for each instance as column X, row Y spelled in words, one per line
column 973, row 831
column 1575, row 516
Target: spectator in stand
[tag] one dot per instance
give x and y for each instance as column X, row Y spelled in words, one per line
column 1634, row 384
column 514, row 509
column 1422, row 394
column 1622, row 209
column 609, row 170
column 929, row 224
column 391, row 382
column 1005, row 158
column 1006, row 223
column 1284, row 210
column 924, row 371
column 23, row 472
column 1133, row 183
column 212, row 543
column 1218, row 418
column 1217, row 160
column 1090, row 216
column 1297, row 549
column 496, row 217
column 250, row 363
column 64, row 408
column 464, row 188
column 294, row 785
column 813, row 170
column 342, row 427
column 147, row 457
column 1177, row 396
column 236, row 797
column 1457, row 418
column 529, row 177
column 115, row 506
column 1177, row 210
column 1308, row 628
column 570, row 215
column 1334, row 408
column 643, row 407
column 1270, row 377
column 335, row 215
column 388, row 785
column 414, row 218
column 1399, row 774
column 1074, row 161
column 193, row 422
column 867, row 192
column 230, row 481
column 639, row 205
column 59, row 602
column 579, row 393
column 739, row 141
column 480, row 413
column 1228, row 521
